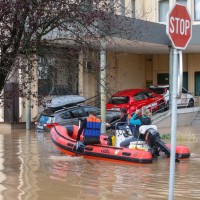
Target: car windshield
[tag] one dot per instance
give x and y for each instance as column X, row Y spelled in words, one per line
column 119, row 100
column 158, row 90
column 44, row 119
column 184, row 90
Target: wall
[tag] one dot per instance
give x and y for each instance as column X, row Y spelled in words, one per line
column 124, row 71
column 149, row 9
column 193, row 65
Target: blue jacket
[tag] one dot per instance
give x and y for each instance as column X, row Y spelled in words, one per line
column 137, row 122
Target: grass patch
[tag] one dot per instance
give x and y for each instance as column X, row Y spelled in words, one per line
column 180, row 136
column 186, row 137
column 166, row 136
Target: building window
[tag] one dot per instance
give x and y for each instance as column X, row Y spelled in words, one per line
column 197, row 83
column 111, row 6
column 45, row 69
column 163, row 9
column 197, row 10
column 44, row 66
column 122, row 7
column 86, row 5
column 132, row 8
column 184, row 2
column 112, row 3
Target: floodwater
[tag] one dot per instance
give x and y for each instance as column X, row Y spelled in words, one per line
column 32, row 168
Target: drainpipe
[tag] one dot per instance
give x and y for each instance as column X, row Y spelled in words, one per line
column 103, row 84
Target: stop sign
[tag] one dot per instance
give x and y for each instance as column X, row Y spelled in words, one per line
column 179, row 26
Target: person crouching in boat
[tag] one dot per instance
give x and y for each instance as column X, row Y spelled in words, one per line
column 90, row 127
column 123, row 121
column 135, row 122
column 119, row 125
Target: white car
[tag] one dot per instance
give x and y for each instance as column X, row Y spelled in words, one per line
column 186, row 99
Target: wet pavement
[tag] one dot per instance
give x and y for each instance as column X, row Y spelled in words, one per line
column 32, row 168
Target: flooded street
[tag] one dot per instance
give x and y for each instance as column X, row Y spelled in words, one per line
column 32, row 168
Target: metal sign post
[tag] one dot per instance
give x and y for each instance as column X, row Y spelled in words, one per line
column 173, row 123
column 179, row 30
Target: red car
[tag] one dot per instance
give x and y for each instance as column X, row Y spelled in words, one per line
column 134, row 99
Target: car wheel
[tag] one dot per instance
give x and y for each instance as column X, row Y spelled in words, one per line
column 161, row 107
column 191, row 103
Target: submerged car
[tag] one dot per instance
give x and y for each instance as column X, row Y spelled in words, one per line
column 133, row 99
column 59, row 96
column 186, row 99
column 61, row 101
column 70, row 116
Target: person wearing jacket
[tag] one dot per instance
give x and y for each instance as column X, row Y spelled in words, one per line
column 91, row 129
column 121, row 124
column 135, row 122
column 122, row 121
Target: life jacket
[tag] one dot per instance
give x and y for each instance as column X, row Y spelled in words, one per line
column 145, row 121
column 93, row 127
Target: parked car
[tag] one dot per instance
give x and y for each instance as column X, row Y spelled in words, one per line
column 133, row 99
column 57, row 94
column 186, row 99
column 69, row 116
column 61, row 101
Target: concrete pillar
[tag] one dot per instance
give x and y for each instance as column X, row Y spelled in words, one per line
column 80, row 74
column 103, row 84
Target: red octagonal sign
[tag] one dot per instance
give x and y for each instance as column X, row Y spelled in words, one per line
column 179, row 26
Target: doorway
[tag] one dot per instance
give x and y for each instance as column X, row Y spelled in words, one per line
column 163, row 79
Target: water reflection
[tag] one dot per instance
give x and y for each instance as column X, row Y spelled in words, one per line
column 28, row 156
column 2, row 175
column 32, row 168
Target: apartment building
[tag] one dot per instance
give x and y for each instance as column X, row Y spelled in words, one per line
column 133, row 63
column 135, row 59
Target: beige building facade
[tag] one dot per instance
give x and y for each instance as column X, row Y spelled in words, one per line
column 137, row 63
column 138, row 66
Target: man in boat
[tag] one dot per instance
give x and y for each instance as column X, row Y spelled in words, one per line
column 122, row 121
column 119, row 125
column 135, row 122
column 90, row 127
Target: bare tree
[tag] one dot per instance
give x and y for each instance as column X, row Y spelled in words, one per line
column 38, row 27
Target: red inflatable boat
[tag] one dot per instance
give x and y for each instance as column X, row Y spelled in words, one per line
column 65, row 141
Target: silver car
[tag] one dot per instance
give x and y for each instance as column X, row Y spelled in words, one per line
column 70, row 116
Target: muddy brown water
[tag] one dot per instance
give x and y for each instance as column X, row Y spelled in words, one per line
column 32, row 168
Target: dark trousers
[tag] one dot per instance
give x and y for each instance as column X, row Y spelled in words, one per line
column 91, row 140
column 133, row 129
column 127, row 142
